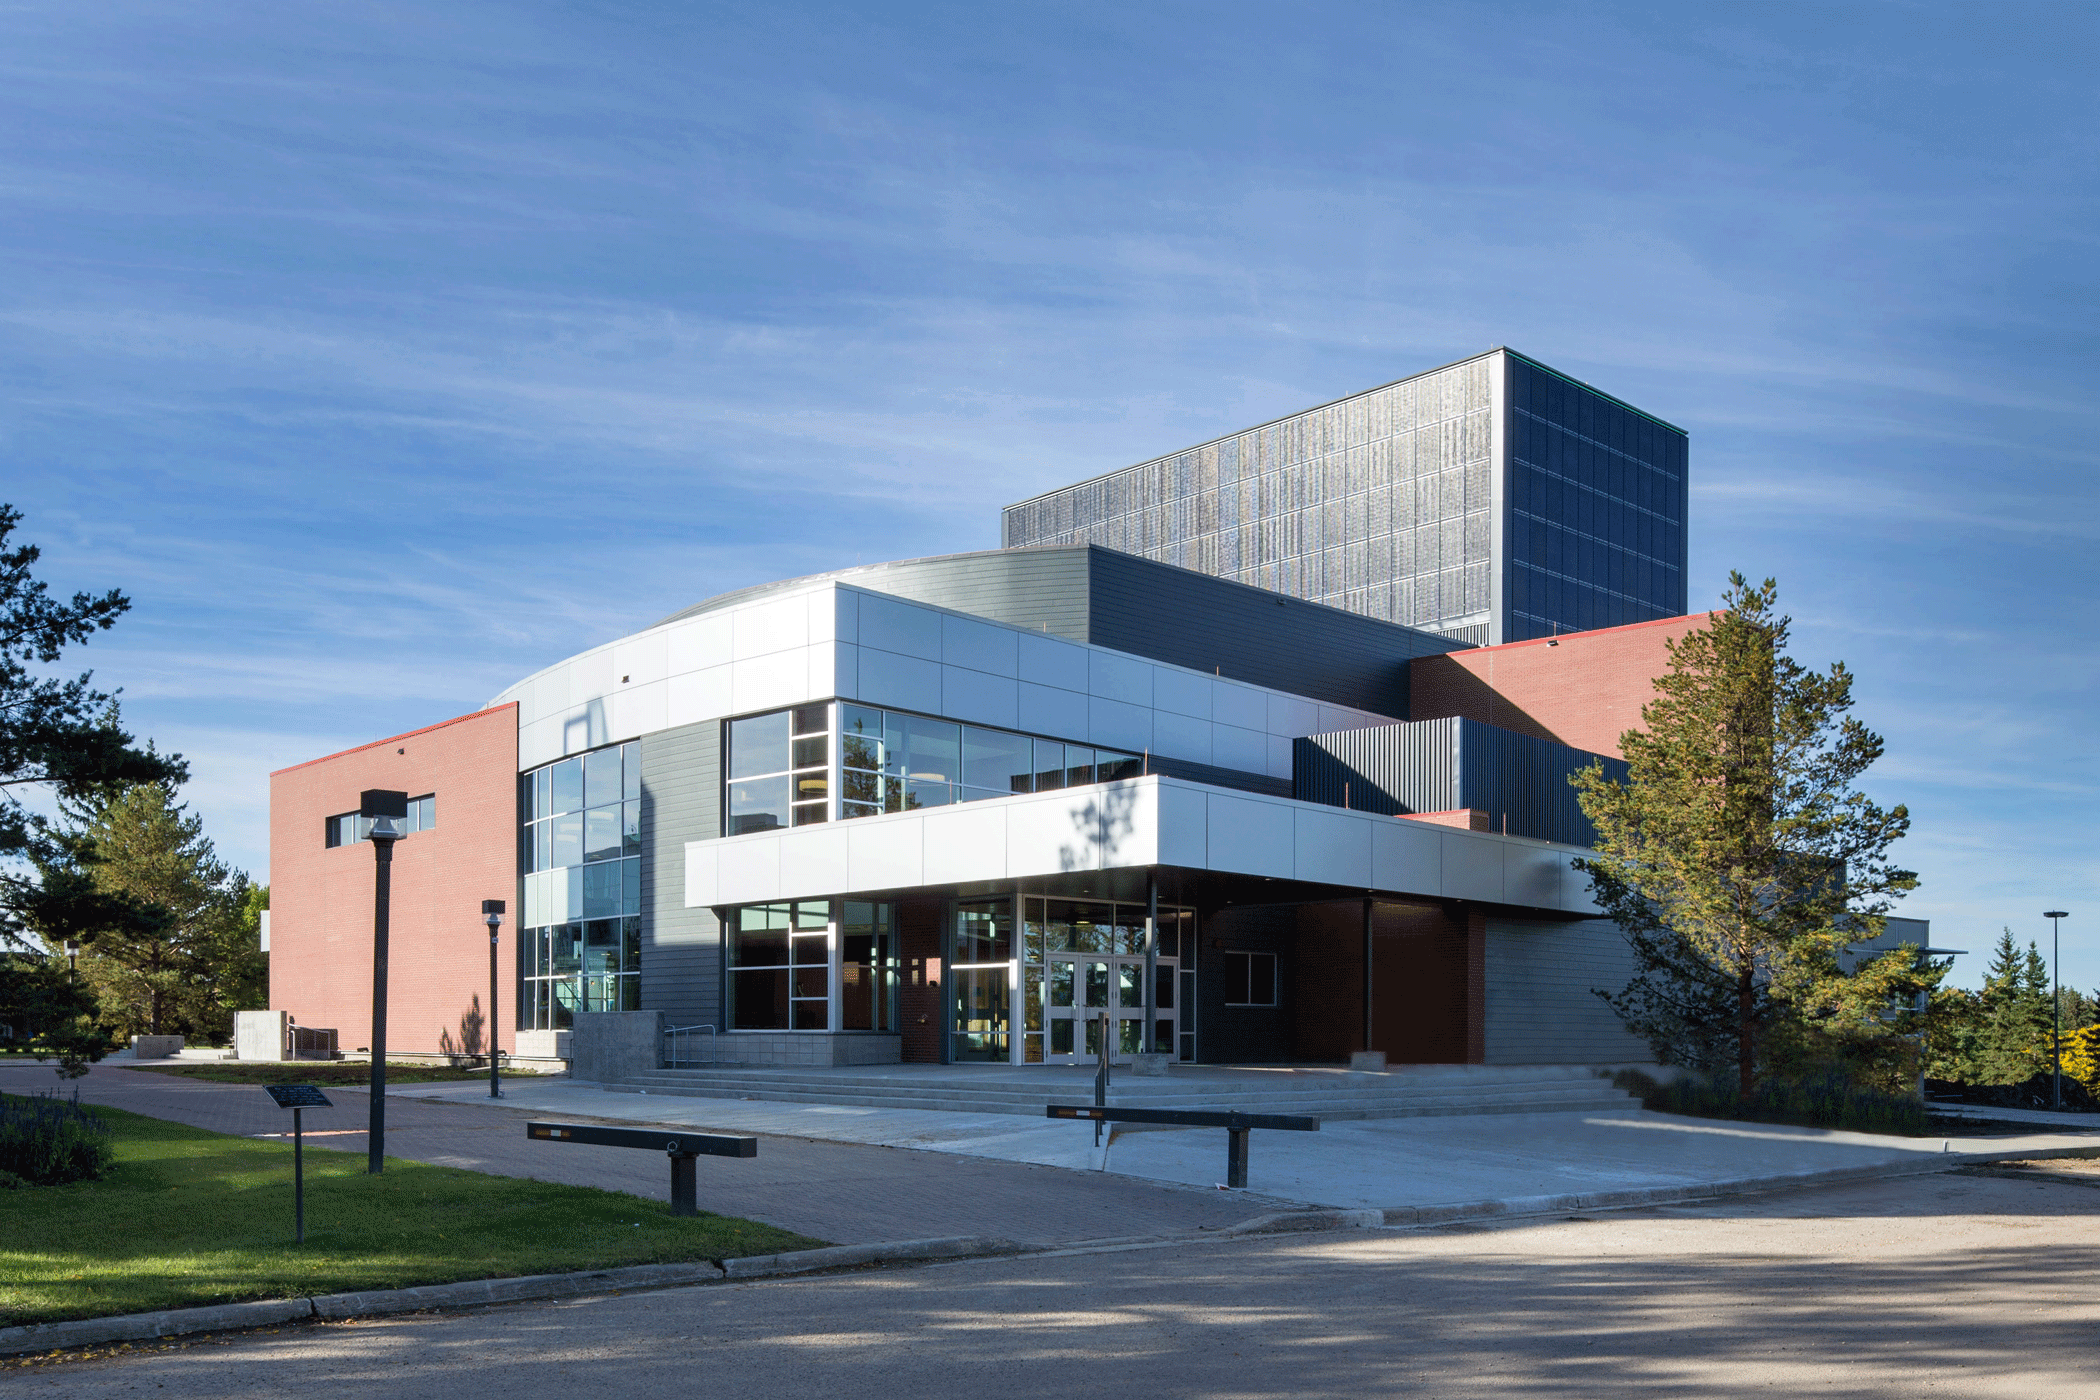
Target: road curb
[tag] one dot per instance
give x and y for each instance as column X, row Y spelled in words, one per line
column 1316, row 1221
column 379, row 1302
column 848, row 1255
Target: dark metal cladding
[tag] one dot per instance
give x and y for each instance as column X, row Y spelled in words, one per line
column 1443, row 765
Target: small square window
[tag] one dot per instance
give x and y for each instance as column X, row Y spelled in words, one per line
column 1250, row 979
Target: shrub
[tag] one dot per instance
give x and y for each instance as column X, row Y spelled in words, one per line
column 47, row 1141
column 1829, row 1099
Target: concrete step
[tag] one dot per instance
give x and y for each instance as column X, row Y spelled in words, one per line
column 1374, row 1096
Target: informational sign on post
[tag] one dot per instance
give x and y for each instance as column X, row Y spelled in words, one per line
column 297, row 1098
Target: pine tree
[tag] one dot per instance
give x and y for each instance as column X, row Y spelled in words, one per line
column 1739, row 838
column 59, row 738
column 2011, row 1040
column 173, row 976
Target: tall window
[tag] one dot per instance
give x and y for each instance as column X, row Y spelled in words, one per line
column 813, row 965
column 579, row 947
column 779, row 769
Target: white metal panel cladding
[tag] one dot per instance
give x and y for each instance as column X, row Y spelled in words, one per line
column 1132, row 825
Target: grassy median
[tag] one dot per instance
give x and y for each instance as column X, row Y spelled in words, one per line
column 188, row 1217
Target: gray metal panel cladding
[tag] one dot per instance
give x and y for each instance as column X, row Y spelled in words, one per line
column 1523, row 783
column 1250, row 634
column 1393, row 769
column 1042, row 590
column 681, row 802
column 1437, row 765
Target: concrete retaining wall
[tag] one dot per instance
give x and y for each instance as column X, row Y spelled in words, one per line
column 608, row 1046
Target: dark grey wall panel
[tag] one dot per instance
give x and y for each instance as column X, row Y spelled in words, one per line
column 681, row 802
column 1542, row 1003
column 1440, row 765
column 1251, row 634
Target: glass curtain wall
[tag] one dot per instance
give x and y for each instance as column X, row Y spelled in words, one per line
column 982, row 978
column 779, row 770
column 1037, row 998
column 895, row 762
column 813, row 965
column 1596, row 509
column 1381, row 504
column 579, row 943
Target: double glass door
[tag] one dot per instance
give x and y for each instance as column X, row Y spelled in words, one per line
column 1079, row 988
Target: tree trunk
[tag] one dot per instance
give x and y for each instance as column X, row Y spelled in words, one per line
column 1745, row 1032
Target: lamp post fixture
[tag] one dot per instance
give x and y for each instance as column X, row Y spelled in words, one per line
column 384, row 808
column 73, row 958
column 492, row 915
column 2056, row 1008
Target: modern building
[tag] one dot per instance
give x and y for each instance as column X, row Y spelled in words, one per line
column 1490, row 501
column 842, row 823
column 1208, row 751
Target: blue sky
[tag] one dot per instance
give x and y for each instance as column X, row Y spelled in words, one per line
column 385, row 353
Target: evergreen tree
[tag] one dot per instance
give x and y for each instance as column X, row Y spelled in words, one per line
column 2010, row 1043
column 1740, row 842
column 60, row 738
column 191, row 969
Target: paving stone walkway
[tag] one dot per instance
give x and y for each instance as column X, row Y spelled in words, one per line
column 846, row 1193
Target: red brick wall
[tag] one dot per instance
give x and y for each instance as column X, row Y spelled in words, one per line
column 1584, row 692
column 321, row 898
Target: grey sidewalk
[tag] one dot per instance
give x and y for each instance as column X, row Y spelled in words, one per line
column 846, row 1193
column 1364, row 1164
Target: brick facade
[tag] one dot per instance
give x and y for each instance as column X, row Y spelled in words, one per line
column 1582, row 689
column 321, row 914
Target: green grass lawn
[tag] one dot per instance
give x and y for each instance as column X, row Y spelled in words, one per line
column 189, row 1217
column 350, row 1076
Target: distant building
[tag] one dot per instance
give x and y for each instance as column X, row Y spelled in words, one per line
column 1491, row 500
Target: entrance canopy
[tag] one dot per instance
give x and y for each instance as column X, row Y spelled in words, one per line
column 1059, row 839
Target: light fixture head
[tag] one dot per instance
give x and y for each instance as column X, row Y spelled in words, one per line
column 2057, row 914
column 383, row 829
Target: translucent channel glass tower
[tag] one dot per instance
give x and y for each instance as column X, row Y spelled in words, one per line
column 1492, row 500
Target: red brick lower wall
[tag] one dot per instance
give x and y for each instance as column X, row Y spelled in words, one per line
column 321, row 896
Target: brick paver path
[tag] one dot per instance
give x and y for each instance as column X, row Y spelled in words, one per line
column 842, row 1192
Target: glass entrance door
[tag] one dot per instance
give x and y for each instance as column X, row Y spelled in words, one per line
column 1078, row 988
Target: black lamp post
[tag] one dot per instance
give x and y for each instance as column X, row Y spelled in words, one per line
column 73, row 958
column 384, row 808
column 492, row 915
column 2056, row 1008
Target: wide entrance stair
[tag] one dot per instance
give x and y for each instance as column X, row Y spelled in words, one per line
column 1405, row 1091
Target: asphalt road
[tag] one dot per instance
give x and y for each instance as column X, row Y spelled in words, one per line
column 1966, row 1284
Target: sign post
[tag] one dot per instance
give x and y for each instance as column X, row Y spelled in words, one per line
column 297, row 1098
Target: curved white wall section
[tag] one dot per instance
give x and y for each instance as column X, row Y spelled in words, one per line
column 830, row 639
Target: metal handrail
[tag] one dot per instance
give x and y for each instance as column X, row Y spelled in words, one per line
column 678, row 1045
